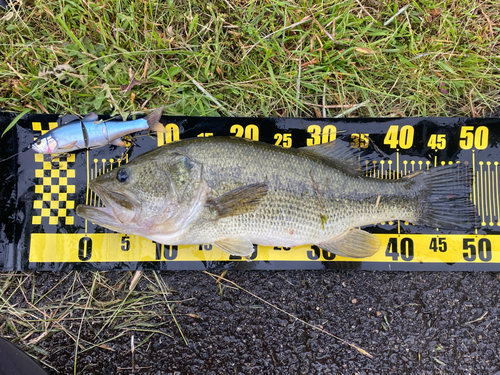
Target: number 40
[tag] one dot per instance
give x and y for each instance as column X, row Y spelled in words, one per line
column 402, row 138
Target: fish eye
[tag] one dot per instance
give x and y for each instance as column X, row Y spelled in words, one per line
column 122, row 175
column 38, row 142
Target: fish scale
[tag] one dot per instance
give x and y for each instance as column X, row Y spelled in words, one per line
column 233, row 192
column 271, row 224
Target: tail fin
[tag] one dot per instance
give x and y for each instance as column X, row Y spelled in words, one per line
column 445, row 197
column 153, row 120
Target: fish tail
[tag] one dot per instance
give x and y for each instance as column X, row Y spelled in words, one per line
column 153, row 120
column 445, row 198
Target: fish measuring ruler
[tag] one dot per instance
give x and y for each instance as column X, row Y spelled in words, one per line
column 43, row 232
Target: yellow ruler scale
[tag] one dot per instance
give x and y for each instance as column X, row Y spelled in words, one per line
column 114, row 247
column 56, row 236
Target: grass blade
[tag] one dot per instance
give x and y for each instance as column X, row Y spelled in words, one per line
column 14, row 122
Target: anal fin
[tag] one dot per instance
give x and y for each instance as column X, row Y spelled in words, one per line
column 235, row 246
column 354, row 243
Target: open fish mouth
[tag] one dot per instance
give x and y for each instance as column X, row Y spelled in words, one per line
column 98, row 215
column 117, row 211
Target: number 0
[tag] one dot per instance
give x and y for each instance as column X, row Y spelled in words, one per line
column 85, row 249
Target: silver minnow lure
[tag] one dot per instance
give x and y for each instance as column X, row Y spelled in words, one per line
column 90, row 133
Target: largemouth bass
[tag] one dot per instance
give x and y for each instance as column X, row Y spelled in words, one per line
column 233, row 193
column 89, row 133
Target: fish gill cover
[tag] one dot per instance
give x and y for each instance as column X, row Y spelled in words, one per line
column 38, row 196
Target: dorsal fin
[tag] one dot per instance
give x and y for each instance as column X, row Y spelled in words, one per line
column 66, row 119
column 339, row 151
column 90, row 117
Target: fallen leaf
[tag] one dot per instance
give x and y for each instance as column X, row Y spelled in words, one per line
column 59, row 70
column 135, row 280
column 104, row 346
column 134, row 82
column 193, row 316
column 364, row 50
column 442, row 88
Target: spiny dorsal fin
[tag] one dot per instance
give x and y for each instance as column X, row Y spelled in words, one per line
column 239, row 201
column 355, row 243
column 235, row 246
column 90, row 117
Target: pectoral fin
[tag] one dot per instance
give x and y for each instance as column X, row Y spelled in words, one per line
column 235, row 246
column 67, row 146
column 354, row 243
column 239, row 201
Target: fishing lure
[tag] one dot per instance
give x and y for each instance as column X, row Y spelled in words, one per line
column 91, row 133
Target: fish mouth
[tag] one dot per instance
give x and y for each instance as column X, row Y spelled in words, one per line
column 35, row 148
column 118, row 210
column 99, row 215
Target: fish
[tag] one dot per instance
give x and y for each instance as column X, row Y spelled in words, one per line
column 233, row 193
column 91, row 133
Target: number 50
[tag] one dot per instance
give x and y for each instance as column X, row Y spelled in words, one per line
column 477, row 138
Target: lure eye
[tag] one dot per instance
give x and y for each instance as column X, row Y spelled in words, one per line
column 38, row 142
column 122, row 175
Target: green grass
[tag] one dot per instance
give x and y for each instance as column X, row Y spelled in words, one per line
column 250, row 58
column 71, row 56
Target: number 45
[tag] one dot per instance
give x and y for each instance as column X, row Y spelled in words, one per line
column 437, row 141
column 438, row 244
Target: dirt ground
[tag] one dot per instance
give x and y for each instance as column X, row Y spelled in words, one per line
column 410, row 322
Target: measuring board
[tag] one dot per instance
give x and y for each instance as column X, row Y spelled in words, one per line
column 40, row 230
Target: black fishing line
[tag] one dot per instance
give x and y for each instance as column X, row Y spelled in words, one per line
column 10, row 157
